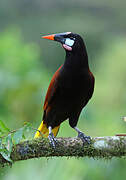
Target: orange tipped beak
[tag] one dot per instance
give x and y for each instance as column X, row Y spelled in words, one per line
column 60, row 37
column 50, row 37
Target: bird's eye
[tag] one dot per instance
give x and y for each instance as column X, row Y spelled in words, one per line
column 69, row 42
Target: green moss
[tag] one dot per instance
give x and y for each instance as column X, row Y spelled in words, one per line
column 100, row 148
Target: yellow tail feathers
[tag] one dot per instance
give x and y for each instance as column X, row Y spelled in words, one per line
column 44, row 131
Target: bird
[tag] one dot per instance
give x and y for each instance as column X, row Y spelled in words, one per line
column 70, row 89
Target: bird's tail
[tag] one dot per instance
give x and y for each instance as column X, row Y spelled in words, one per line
column 43, row 131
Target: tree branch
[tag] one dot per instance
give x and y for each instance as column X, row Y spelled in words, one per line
column 101, row 147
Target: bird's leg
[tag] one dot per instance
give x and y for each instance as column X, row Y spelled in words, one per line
column 83, row 137
column 51, row 137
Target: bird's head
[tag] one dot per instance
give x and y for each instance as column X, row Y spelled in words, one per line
column 69, row 41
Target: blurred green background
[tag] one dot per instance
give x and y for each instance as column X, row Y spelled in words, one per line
column 27, row 64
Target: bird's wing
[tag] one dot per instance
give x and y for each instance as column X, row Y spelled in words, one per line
column 52, row 90
column 49, row 99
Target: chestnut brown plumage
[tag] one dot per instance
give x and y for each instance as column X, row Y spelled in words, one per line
column 70, row 89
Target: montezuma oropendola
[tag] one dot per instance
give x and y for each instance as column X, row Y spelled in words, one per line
column 70, row 89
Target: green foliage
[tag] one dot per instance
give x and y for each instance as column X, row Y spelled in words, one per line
column 18, row 135
column 22, row 79
column 3, row 127
column 5, row 142
column 9, row 138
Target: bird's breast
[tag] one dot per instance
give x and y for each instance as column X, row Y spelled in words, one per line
column 75, row 86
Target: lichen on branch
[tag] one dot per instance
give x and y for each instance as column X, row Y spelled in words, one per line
column 100, row 147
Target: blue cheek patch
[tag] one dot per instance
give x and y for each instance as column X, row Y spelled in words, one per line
column 69, row 42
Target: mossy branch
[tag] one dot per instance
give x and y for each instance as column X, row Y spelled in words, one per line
column 100, row 147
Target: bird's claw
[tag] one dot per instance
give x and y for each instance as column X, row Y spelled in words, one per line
column 52, row 140
column 84, row 138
